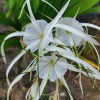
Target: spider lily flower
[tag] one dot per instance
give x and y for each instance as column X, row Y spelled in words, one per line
column 36, row 35
column 71, row 32
column 53, row 68
column 68, row 38
column 53, row 64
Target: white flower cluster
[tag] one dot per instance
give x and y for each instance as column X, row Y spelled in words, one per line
column 55, row 42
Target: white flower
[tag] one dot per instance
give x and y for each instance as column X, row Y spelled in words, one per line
column 67, row 37
column 53, row 68
column 52, row 64
column 71, row 32
column 36, row 33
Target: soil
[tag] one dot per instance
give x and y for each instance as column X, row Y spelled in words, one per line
column 90, row 87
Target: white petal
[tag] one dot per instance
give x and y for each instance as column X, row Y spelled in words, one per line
column 65, row 84
column 72, row 68
column 16, row 80
column 52, row 75
column 58, row 42
column 60, row 69
column 22, row 9
column 97, row 56
column 28, row 69
column 54, row 48
column 30, row 10
column 50, row 5
column 61, row 33
column 31, row 28
column 71, row 40
column 7, row 37
column 80, row 83
column 77, row 32
column 49, row 27
column 34, row 89
column 90, row 25
column 43, row 71
column 85, row 64
column 42, row 86
column 92, row 75
column 70, row 22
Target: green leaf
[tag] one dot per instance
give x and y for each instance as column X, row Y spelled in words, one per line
column 85, row 4
column 91, row 10
column 35, row 4
column 12, row 9
column 6, row 4
column 7, row 21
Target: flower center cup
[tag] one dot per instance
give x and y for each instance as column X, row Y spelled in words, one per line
column 51, row 62
column 67, row 32
column 41, row 36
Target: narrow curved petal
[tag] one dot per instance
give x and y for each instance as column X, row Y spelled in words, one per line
column 50, row 5
column 97, row 56
column 70, row 67
column 40, row 91
column 80, row 81
column 58, row 42
column 90, row 25
column 65, row 84
column 7, row 37
column 28, row 97
column 30, row 10
column 86, row 65
column 22, row 9
column 16, row 80
column 92, row 75
column 66, row 50
column 34, row 89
